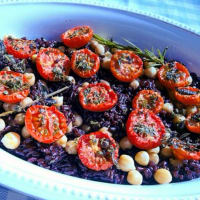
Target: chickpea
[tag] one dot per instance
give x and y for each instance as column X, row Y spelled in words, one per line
column 78, row 120
column 20, row 118
column 154, row 158
column 99, row 48
column 25, row 133
column 126, row 163
column 33, row 58
column 62, row 141
column 7, row 106
column 59, row 100
column 168, row 107
column 178, row 119
column 14, row 107
column 106, row 60
column 105, row 130
column 31, row 78
column 134, row 177
column 71, row 79
column 191, row 109
column 150, row 72
column 175, row 162
column 166, row 152
column 2, row 124
column 26, row 102
column 115, row 50
column 106, row 63
column 163, row 176
column 105, row 82
column 11, row 140
column 6, row 69
column 85, row 84
column 69, row 127
column 10, row 107
column 86, row 128
column 62, row 49
column 125, row 143
column 71, row 147
column 154, row 150
column 135, row 84
column 142, row 158
column 108, row 54
column 189, row 80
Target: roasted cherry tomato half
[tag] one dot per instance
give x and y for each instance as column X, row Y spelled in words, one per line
column 20, row 48
column 52, row 64
column 77, row 36
column 148, row 99
column 97, row 151
column 144, row 129
column 193, row 122
column 45, row 124
column 126, row 66
column 188, row 95
column 13, row 87
column 185, row 151
column 173, row 75
column 85, row 63
column 97, row 97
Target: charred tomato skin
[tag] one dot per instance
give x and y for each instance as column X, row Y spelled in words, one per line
column 49, row 60
column 106, row 100
column 126, row 65
column 174, row 74
column 13, row 96
column 188, row 99
column 77, row 37
column 88, row 67
column 193, row 122
column 183, row 153
column 20, row 48
column 144, row 129
column 90, row 158
column 146, row 95
column 45, row 124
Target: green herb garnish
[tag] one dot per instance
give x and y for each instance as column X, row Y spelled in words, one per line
column 144, row 130
column 149, row 56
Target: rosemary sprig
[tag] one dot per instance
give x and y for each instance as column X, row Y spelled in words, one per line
column 4, row 114
column 147, row 55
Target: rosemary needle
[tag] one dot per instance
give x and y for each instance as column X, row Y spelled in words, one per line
column 146, row 54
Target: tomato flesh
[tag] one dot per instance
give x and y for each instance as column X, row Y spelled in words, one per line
column 52, row 64
column 97, row 151
column 13, row 87
column 20, row 48
column 184, row 151
column 188, row 95
column 126, row 66
column 193, row 122
column 45, row 124
column 144, row 129
column 148, row 99
column 173, row 75
column 77, row 36
column 97, row 97
column 85, row 63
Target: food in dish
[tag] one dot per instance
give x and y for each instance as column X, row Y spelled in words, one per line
column 95, row 109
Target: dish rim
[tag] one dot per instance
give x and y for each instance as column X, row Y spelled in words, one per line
column 107, row 5
column 80, row 2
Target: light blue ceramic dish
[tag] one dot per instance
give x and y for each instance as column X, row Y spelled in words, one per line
column 49, row 20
